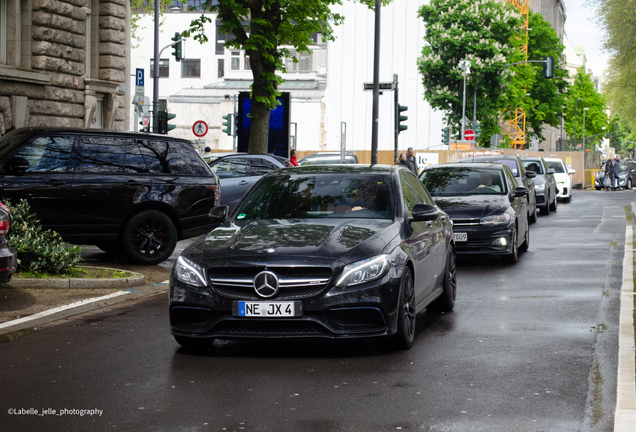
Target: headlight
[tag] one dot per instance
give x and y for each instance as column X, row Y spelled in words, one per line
column 623, row 175
column 502, row 219
column 364, row 271
column 189, row 273
column 539, row 187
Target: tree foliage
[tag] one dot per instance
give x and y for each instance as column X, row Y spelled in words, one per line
column 488, row 34
column 139, row 8
column 596, row 120
column 547, row 95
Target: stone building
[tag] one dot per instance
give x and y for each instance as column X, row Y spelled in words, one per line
column 64, row 63
column 553, row 11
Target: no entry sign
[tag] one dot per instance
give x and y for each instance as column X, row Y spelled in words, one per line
column 200, row 128
column 469, row 135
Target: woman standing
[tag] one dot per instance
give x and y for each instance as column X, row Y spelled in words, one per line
column 292, row 157
column 403, row 160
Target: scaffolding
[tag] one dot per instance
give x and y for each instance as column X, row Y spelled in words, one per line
column 515, row 128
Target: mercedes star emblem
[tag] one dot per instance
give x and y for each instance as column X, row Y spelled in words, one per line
column 266, row 284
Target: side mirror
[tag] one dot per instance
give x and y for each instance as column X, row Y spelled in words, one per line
column 531, row 174
column 571, row 171
column 424, row 212
column 551, row 171
column 219, row 213
column 16, row 165
column 521, row 191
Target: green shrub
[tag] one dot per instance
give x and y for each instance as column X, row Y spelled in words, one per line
column 39, row 250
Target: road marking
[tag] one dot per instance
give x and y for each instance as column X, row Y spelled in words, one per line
column 625, row 415
column 62, row 308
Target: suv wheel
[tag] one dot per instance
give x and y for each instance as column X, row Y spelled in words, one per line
column 149, row 237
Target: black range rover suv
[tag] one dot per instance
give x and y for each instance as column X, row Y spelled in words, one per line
column 135, row 192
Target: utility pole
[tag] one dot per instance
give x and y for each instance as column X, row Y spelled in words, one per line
column 464, row 65
column 396, row 122
column 155, row 80
column 376, row 85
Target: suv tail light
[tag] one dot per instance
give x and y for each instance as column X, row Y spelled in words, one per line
column 4, row 227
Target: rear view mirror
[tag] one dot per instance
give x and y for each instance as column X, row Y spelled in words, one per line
column 571, row 171
column 16, row 165
column 551, row 171
column 424, row 212
column 521, row 191
column 219, row 213
column 531, row 174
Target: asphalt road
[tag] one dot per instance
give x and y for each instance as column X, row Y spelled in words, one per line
column 529, row 347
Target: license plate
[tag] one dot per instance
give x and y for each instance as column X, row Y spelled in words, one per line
column 460, row 237
column 266, row 309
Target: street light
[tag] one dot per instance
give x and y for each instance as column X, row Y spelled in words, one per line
column 583, row 151
column 464, row 65
column 576, row 108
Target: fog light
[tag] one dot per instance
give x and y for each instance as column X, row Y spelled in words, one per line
column 501, row 241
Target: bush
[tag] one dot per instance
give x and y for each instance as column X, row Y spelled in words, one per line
column 39, row 250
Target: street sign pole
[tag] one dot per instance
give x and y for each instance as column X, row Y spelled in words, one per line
column 155, row 82
column 376, row 85
column 396, row 116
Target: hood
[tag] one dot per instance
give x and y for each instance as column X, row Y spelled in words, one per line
column 540, row 179
column 473, row 206
column 298, row 239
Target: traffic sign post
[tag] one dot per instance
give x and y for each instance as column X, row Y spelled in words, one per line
column 383, row 86
column 139, row 82
column 469, row 135
column 200, row 128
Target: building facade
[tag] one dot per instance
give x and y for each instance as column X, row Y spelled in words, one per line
column 64, row 63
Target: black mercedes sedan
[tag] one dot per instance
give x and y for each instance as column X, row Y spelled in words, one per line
column 338, row 251
column 486, row 204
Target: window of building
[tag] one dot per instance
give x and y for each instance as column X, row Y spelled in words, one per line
column 164, row 68
column 304, row 64
column 246, row 63
column 191, row 68
column 235, row 61
column 221, row 68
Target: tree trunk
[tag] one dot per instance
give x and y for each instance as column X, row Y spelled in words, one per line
column 259, row 129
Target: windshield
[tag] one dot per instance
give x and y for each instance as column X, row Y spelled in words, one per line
column 320, row 195
column 557, row 167
column 9, row 142
column 535, row 166
column 463, row 181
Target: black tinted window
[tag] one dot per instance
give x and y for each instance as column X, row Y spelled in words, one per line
column 171, row 157
column 135, row 162
column 230, row 167
column 103, row 155
column 48, row 154
column 260, row 167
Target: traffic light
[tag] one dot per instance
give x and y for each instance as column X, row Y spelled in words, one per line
column 446, row 136
column 227, row 124
column 476, row 129
column 548, row 67
column 178, row 50
column 164, row 127
column 145, row 123
column 401, row 118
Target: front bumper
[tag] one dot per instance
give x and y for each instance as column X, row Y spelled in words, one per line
column 541, row 201
column 563, row 191
column 481, row 239
column 7, row 263
column 366, row 310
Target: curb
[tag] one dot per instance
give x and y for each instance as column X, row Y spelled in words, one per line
column 79, row 283
column 15, row 328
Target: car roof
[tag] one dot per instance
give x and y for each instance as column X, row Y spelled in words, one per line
column 476, row 165
column 531, row 158
column 339, row 169
column 489, row 157
column 327, row 154
column 553, row 159
column 139, row 135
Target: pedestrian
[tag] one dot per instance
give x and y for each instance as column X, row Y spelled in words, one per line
column 403, row 161
column 292, row 157
column 207, row 149
column 412, row 161
column 608, row 180
column 617, row 170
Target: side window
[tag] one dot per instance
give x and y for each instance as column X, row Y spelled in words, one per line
column 230, row 168
column 171, row 157
column 331, row 159
column 420, row 191
column 135, row 162
column 48, row 154
column 408, row 193
column 103, row 154
column 260, row 167
column 510, row 180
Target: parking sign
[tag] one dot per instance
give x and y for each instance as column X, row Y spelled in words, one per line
column 140, row 77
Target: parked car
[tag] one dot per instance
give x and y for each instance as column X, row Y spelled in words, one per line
column 563, row 177
column 239, row 171
column 318, row 252
column 328, row 158
column 117, row 190
column 486, row 204
column 523, row 178
column 7, row 253
column 627, row 176
column 544, row 183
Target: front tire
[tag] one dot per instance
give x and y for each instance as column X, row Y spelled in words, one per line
column 545, row 210
column 526, row 243
column 446, row 301
column 149, row 237
column 553, row 205
column 513, row 256
column 629, row 184
column 532, row 217
column 403, row 338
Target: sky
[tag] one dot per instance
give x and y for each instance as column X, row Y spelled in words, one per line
column 583, row 31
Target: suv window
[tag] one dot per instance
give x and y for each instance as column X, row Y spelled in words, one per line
column 230, row 167
column 260, row 167
column 419, row 190
column 135, row 162
column 171, row 157
column 48, row 153
column 408, row 193
column 510, row 179
column 103, row 154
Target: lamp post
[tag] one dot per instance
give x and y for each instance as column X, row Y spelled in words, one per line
column 583, row 151
column 464, row 65
column 576, row 108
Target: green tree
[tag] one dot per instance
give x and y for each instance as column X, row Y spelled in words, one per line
column 547, row 95
column 487, row 33
column 262, row 28
column 596, row 120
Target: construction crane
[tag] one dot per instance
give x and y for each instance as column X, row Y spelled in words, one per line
column 515, row 128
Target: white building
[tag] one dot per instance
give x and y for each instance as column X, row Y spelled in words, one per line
column 326, row 87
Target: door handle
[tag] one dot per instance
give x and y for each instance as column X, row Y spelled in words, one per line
column 243, row 182
column 131, row 181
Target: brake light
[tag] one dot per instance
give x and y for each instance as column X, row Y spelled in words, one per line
column 5, row 208
column 4, row 227
column 217, row 193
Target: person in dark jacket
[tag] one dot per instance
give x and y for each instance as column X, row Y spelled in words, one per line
column 403, row 161
column 609, row 171
column 410, row 155
column 617, row 170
